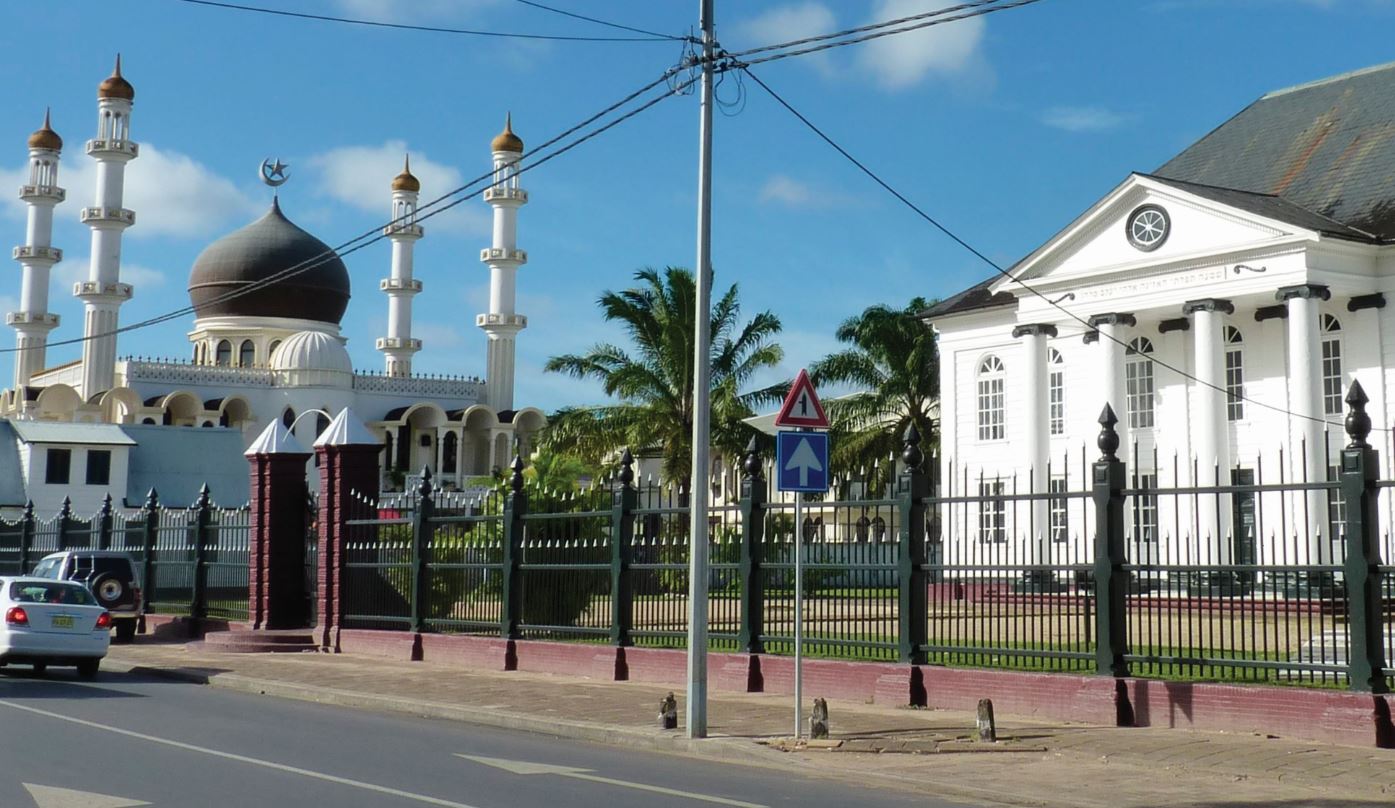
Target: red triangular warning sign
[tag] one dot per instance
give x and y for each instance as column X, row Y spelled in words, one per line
column 802, row 407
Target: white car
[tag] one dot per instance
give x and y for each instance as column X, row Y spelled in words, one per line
column 48, row 622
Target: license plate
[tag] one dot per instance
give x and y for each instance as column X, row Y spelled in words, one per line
column 62, row 621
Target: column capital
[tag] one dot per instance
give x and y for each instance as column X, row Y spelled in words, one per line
column 1307, row 291
column 1211, row 304
column 1034, row 330
column 1114, row 318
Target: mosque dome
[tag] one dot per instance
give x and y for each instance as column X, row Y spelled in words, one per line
column 507, row 140
column 406, row 181
column 115, row 85
column 45, row 137
column 311, row 350
column 258, row 252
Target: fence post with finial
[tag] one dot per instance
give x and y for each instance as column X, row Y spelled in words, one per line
column 198, row 602
column 511, row 596
column 1111, row 580
column 104, row 524
column 150, row 531
column 421, row 552
column 624, row 500
column 912, row 490
column 751, row 638
column 1366, row 646
column 26, row 538
column 65, row 518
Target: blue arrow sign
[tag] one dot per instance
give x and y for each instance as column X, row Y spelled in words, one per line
column 801, row 461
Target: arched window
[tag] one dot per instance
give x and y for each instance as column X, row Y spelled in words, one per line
column 224, row 355
column 271, row 349
column 1234, row 375
column 1056, row 391
column 246, row 354
column 1331, row 365
column 321, row 424
column 198, row 353
column 288, row 418
column 1138, row 383
column 148, row 421
column 991, row 421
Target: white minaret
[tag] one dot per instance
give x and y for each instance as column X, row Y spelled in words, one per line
column 398, row 346
column 38, row 255
column 103, row 292
column 504, row 258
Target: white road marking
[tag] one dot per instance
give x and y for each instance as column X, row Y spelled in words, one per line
column 528, row 767
column 267, row 764
column 54, row 797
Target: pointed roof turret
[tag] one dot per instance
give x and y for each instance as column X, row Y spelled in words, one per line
column 507, row 140
column 406, row 181
column 115, row 85
column 45, row 137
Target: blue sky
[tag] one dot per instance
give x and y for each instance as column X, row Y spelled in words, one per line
column 1004, row 127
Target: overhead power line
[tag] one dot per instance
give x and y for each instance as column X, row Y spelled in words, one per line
column 440, row 204
column 1000, row 270
column 428, row 28
column 607, row 24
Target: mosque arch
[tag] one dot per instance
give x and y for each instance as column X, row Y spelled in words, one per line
column 527, row 423
column 181, row 408
column 478, row 425
column 58, row 402
column 223, row 355
column 119, row 405
column 246, row 354
column 235, row 412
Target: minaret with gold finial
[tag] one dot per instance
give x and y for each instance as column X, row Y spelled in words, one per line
column 503, row 258
column 399, row 346
column 103, row 292
column 38, row 255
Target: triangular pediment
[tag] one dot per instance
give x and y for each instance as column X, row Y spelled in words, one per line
column 1196, row 222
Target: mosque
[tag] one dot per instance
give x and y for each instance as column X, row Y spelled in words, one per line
column 265, row 342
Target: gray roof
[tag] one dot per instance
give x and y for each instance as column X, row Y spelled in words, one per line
column 11, row 473
column 55, row 432
column 1327, row 147
column 176, row 461
column 973, row 298
column 1270, row 206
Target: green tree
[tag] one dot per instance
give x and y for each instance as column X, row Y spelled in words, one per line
column 893, row 363
column 653, row 380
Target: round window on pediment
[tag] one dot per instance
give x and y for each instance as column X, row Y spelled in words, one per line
column 1147, row 227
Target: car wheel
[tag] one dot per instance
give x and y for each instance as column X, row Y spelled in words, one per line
column 40, row 668
column 87, row 669
column 125, row 631
column 108, row 588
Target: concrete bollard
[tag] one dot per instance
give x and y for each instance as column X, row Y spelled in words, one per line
column 818, row 721
column 987, row 728
column 668, row 712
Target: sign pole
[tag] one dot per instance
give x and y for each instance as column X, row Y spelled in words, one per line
column 798, row 613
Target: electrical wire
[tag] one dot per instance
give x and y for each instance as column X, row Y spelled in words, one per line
column 428, row 28
column 1005, row 273
column 615, row 25
column 378, row 233
column 975, row 11
column 861, row 29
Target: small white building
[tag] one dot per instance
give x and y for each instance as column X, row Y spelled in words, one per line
column 1222, row 305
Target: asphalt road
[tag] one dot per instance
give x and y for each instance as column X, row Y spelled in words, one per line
column 138, row 741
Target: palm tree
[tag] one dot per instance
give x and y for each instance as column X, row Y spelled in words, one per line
column 893, row 362
column 653, row 381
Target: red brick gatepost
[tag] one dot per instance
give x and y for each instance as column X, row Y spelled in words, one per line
column 348, row 454
column 276, row 591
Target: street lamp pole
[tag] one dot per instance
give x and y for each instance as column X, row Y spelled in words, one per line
column 702, row 415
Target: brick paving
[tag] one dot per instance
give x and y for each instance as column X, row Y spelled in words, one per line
column 930, row 751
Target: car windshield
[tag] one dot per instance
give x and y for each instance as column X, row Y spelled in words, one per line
column 46, row 592
column 48, row 568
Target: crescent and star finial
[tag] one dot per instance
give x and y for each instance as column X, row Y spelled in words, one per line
column 274, row 173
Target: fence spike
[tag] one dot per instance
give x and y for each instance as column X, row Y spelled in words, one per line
column 1358, row 422
column 67, row 509
column 1108, row 441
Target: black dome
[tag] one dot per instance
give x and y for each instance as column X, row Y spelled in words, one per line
column 262, row 249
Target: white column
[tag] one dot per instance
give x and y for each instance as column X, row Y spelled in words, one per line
column 1210, row 431
column 1307, row 432
column 36, row 257
column 1036, row 444
column 1112, row 339
column 502, row 322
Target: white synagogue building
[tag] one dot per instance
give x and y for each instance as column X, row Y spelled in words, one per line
column 1228, row 299
column 265, row 338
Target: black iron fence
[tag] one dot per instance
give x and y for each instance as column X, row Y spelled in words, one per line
column 191, row 561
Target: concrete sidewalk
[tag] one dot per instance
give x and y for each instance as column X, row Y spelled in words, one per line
column 929, row 751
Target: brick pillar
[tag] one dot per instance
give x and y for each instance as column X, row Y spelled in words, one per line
column 348, row 454
column 276, row 582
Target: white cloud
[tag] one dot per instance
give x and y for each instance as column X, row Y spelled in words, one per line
column 395, row 10
column 787, row 23
column 74, row 268
column 171, row 193
column 359, row 176
column 1083, row 119
column 792, row 193
column 903, row 60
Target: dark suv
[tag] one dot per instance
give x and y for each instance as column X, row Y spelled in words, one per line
column 111, row 575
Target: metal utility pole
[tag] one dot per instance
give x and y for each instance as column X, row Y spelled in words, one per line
column 702, row 414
